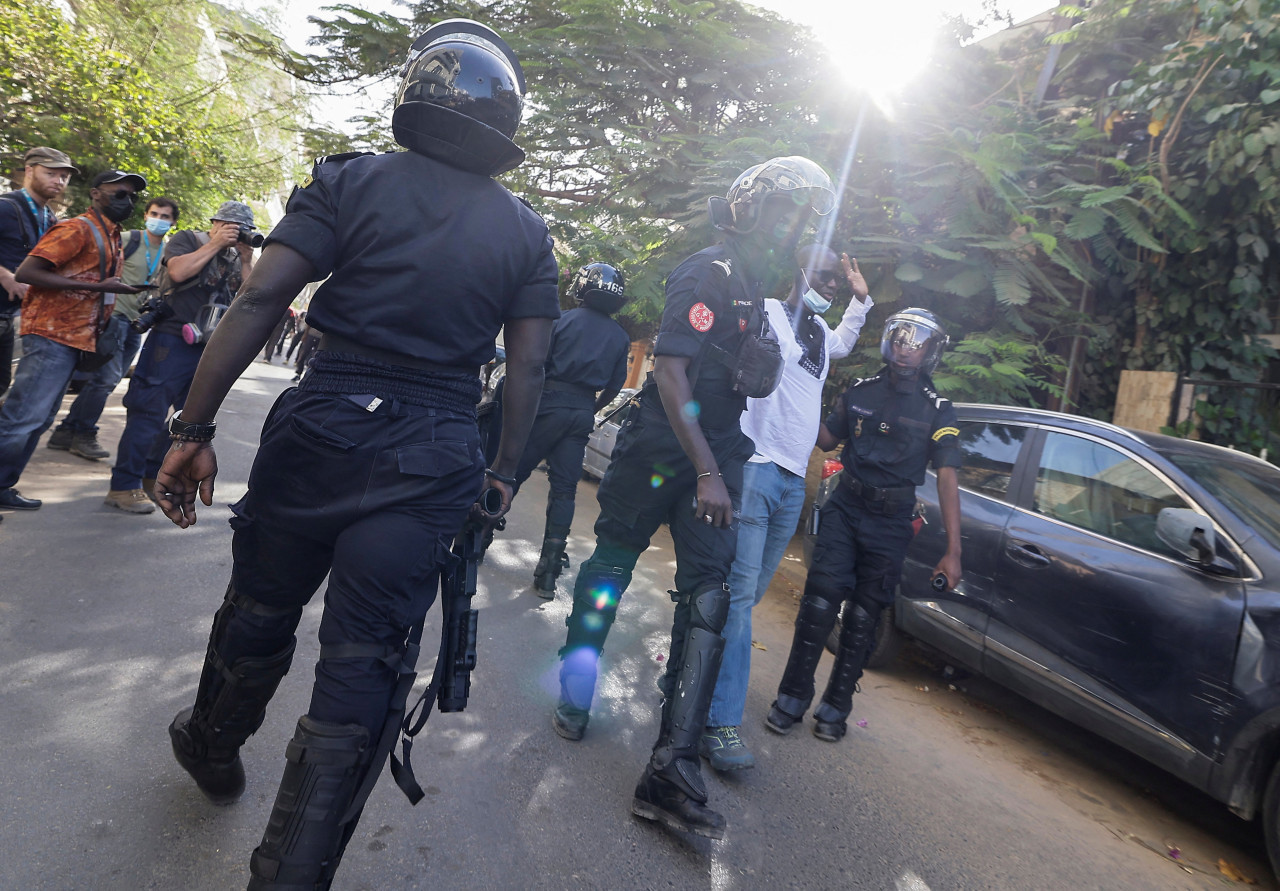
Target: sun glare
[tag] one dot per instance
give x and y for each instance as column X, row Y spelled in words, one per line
column 878, row 48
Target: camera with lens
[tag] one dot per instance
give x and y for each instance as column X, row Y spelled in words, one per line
column 152, row 312
column 248, row 235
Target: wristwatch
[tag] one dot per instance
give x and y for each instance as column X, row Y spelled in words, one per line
column 189, row 432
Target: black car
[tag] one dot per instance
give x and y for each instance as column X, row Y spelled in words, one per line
column 1128, row 581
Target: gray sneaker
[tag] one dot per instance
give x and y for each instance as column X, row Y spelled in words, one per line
column 86, row 446
column 61, row 438
column 724, row 749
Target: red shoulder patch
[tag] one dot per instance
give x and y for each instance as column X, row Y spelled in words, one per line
column 701, row 317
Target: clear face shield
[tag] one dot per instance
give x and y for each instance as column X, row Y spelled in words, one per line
column 911, row 347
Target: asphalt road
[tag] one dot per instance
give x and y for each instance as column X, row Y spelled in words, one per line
column 103, row 622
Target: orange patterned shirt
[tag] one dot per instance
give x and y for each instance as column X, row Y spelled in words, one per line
column 73, row 317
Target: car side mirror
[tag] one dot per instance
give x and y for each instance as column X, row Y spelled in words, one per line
column 1192, row 535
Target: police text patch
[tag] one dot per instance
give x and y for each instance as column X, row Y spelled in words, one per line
column 701, row 317
column 945, row 431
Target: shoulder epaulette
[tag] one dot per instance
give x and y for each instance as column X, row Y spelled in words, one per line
column 338, row 159
column 866, row 380
column 932, row 395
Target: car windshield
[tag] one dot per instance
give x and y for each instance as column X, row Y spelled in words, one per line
column 1249, row 489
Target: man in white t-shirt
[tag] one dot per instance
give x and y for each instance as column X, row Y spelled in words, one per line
column 784, row 427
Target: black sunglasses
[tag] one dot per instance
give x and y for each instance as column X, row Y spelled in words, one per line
column 821, row 276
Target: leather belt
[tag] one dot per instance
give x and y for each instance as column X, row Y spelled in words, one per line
column 874, row 495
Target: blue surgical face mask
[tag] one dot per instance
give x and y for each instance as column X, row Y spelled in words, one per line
column 158, row 227
column 812, row 298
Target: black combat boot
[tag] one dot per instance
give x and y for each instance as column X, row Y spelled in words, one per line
column 671, row 790
column 229, row 708
column 857, row 634
column 795, row 690
column 551, row 563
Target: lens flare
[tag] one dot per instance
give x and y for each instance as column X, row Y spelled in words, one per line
column 656, row 480
column 692, row 409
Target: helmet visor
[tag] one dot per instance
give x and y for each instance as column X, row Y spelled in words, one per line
column 910, row 346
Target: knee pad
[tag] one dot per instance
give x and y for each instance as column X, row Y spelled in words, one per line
column 709, row 607
column 815, row 618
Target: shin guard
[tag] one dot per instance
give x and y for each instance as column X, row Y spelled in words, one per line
column 813, row 624
column 856, row 637
column 306, row 834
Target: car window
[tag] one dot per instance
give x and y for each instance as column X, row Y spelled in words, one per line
column 989, row 451
column 1099, row 488
column 1251, row 490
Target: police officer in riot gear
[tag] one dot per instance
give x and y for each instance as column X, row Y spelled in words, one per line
column 588, row 356
column 679, row 460
column 368, row 469
column 893, row 425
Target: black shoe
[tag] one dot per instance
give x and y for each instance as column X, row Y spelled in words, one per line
column 779, row 721
column 830, row 731
column 61, row 439
column 569, row 722
column 11, row 499
column 828, row 724
column 222, row 782
column 656, row 799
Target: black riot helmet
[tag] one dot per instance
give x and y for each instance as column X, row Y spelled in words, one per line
column 599, row 286
column 780, row 183
column 460, row 98
column 912, row 343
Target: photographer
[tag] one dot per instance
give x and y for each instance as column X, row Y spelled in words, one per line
column 143, row 248
column 204, row 271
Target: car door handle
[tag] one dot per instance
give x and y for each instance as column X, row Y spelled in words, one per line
column 1026, row 554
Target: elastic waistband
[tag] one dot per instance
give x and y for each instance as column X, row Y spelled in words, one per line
column 336, row 343
column 345, row 374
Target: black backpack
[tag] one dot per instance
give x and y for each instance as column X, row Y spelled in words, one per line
column 30, row 234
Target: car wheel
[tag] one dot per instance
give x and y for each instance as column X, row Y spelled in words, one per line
column 1271, row 818
column 884, row 650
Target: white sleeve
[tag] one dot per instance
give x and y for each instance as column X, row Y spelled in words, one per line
column 845, row 336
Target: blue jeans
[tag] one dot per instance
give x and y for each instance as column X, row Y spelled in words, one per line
column 772, row 499
column 85, row 411
column 160, row 382
column 42, row 377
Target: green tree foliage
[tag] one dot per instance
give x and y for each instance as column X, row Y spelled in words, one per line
column 149, row 87
column 1192, row 112
column 1122, row 220
column 636, row 113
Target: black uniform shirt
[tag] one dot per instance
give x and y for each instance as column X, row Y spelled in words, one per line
column 709, row 303
column 424, row 259
column 588, row 349
column 890, row 437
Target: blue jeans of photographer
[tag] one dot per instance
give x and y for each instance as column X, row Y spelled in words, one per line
column 159, row 383
column 42, row 377
column 772, row 499
column 85, row 411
